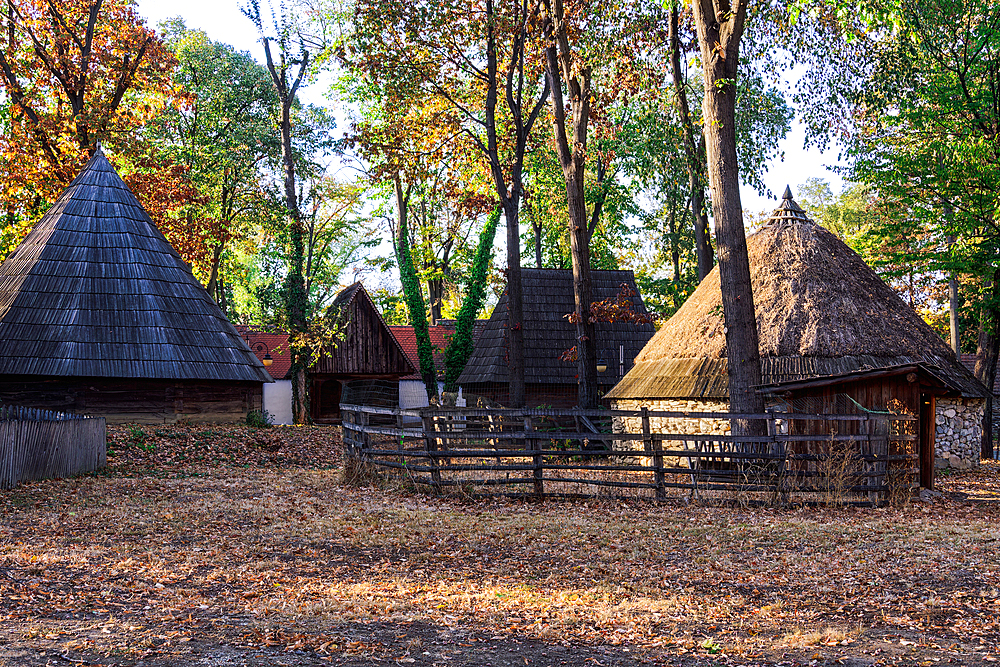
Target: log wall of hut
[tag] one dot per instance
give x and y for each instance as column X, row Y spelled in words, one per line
column 909, row 393
column 148, row 401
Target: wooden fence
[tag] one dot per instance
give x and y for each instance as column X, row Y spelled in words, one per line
column 855, row 459
column 38, row 444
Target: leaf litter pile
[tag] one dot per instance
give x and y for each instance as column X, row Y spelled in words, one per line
column 229, row 545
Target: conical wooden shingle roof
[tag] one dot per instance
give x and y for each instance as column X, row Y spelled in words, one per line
column 820, row 311
column 95, row 290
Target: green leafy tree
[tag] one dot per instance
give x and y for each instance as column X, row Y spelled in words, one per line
column 928, row 143
column 224, row 136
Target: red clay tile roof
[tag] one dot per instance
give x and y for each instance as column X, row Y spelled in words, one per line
column 408, row 341
column 274, row 343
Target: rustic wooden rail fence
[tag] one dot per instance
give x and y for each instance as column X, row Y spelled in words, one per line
column 38, row 444
column 856, row 458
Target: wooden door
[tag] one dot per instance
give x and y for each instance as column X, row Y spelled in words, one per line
column 925, row 435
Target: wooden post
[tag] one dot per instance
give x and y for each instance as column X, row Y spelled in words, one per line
column 399, row 425
column 365, row 442
column 656, row 447
column 431, row 446
column 536, row 446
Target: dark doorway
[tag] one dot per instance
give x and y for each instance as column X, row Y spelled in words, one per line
column 926, row 436
column 326, row 401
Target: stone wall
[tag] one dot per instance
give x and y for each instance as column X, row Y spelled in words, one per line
column 671, row 424
column 958, row 440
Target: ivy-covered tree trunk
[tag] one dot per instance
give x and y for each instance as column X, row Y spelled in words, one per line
column 460, row 346
column 413, row 295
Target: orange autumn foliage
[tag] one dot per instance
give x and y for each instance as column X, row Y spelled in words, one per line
column 75, row 73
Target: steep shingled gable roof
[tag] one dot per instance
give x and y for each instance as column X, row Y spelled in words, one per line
column 95, row 290
column 368, row 346
column 548, row 299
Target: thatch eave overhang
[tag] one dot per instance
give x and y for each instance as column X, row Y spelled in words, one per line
column 929, row 377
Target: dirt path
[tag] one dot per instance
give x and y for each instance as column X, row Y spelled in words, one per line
column 228, row 546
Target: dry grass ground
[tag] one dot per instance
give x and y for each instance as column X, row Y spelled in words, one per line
column 229, row 546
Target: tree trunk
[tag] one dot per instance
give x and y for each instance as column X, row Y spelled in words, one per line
column 538, row 244
column 583, row 296
column 435, row 294
column 987, row 352
column 694, row 156
column 515, row 308
column 571, row 147
column 956, row 342
column 295, row 287
column 720, row 55
column 213, row 279
column 296, row 298
column 675, row 250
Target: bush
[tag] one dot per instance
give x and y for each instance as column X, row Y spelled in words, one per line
column 260, row 419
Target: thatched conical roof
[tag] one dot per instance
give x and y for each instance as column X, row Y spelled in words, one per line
column 820, row 311
column 95, row 290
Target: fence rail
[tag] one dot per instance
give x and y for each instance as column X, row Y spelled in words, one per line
column 38, row 444
column 859, row 458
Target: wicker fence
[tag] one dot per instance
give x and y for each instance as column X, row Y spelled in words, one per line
column 38, row 444
column 853, row 459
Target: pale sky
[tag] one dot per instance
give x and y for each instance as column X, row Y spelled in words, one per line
column 223, row 21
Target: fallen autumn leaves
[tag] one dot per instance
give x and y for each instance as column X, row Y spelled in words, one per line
column 228, row 545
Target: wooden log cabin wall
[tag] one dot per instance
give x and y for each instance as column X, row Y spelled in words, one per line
column 367, row 355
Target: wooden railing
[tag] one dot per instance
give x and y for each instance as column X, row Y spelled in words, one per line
column 861, row 459
column 39, row 444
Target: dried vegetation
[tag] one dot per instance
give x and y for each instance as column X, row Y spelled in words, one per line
column 229, row 545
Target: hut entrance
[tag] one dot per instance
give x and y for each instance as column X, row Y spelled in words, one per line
column 326, row 400
column 927, row 431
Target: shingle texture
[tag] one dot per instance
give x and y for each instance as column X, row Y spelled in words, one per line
column 96, row 290
column 548, row 299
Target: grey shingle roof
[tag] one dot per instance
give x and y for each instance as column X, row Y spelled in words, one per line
column 95, row 290
column 548, row 298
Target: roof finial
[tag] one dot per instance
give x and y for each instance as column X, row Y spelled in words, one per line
column 788, row 193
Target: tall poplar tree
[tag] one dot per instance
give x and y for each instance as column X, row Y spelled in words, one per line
column 287, row 73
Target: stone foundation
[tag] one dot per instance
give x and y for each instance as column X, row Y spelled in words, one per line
column 672, row 425
column 957, row 421
column 958, row 440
